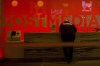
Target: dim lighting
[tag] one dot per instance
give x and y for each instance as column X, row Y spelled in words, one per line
column 14, row 3
column 40, row 3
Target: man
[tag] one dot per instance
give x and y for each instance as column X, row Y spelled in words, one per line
column 68, row 31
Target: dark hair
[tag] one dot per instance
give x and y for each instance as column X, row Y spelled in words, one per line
column 66, row 21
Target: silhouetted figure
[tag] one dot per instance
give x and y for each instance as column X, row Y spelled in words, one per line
column 68, row 31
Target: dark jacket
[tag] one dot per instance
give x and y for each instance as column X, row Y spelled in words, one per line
column 67, row 31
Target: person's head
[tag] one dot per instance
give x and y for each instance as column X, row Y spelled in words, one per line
column 66, row 21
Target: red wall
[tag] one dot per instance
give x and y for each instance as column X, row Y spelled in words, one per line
column 27, row 16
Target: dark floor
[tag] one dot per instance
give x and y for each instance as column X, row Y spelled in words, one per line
column 61, row 63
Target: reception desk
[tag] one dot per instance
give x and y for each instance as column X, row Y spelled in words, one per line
column 49, row 45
